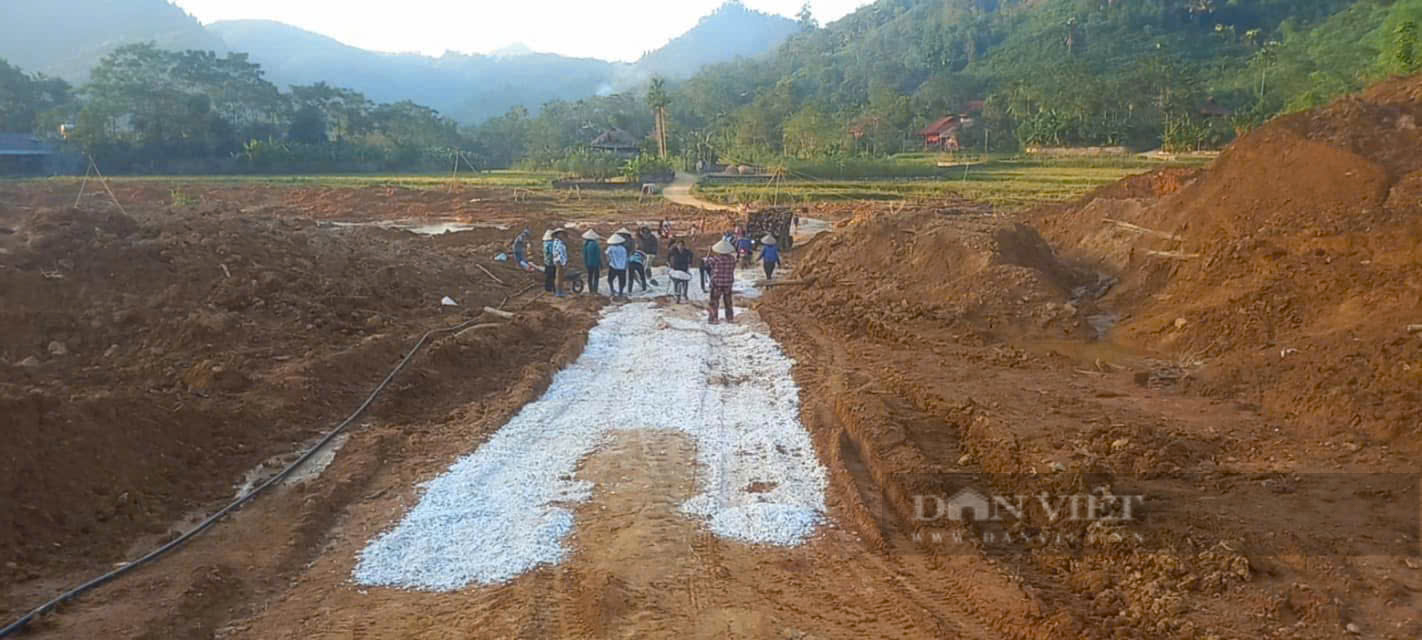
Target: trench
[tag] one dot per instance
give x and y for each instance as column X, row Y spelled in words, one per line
column 511, row 505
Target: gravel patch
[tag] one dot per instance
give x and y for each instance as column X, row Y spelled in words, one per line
column 507, row 508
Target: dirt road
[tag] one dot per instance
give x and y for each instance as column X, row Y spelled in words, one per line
column 679, row 192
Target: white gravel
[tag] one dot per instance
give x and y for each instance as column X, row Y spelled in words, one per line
column 507, row 507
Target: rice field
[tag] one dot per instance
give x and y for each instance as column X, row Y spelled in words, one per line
column 1006, row 184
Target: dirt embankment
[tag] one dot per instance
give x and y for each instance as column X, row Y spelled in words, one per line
column 955, row 342
column 1288, row 272
column 897, row 276
column 149, row 359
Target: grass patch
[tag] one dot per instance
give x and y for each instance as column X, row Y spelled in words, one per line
column 1002, row 182
column 532, row 180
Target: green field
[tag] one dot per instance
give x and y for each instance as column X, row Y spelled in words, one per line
column 1001, row 182
column 532, row 180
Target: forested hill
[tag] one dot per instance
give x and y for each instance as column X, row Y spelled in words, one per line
column 728, row 32
column 65, row 39
column 1052, row 72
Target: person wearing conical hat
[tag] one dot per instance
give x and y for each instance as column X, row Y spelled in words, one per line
column 769, row 255
column 723, row 275
column 617, row 266
column 592, row 259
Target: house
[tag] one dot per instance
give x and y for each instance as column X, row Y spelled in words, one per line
column 1214, row 110
column 943, row 133
column 22, row 154
column 617, row 141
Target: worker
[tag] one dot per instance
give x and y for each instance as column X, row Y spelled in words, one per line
column 648, row 245
column 769, row 255
column 705, row 269
column 555, row 260
column 637, row 269
column 550, row 272
column 723, row 276
column 520, row 250
column 617, row 266
column 746, row 246
column 679, row 261
column 592, row 259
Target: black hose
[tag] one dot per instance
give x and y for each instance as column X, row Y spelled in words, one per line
column 23, row 622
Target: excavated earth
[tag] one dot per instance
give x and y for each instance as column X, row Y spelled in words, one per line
column 1230, row 344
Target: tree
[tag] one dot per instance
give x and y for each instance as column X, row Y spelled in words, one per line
column 810, row 134
column 658, row 99
column 26, row 99
column 806, row 18
column 308, row 126
column 345, row 111
column 1404, row 43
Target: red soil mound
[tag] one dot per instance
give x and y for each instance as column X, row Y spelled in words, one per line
column 1291, row 267
column 146, row 362
column 883, row 274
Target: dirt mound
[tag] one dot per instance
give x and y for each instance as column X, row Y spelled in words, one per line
column 1290, row 268
column 947, row 267
column 148, row 359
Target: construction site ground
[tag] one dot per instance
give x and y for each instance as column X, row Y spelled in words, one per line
column 1233, row 346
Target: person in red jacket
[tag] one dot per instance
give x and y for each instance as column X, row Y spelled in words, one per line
column 723, row 276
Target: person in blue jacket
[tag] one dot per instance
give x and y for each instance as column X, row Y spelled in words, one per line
column 592, row 259
column 769, row 255
column 745, row 245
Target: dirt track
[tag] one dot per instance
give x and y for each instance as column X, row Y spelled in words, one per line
column 1283, row 500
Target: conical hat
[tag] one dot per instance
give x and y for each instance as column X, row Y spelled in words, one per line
column 723, row 248
column 547, row 235
column 591, row 235
column 768, row 239
column 624, row 231
column 617, row 240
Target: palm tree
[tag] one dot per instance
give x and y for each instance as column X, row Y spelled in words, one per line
column 658, row 100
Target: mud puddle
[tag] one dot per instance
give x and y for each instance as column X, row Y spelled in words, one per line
column 422, row 228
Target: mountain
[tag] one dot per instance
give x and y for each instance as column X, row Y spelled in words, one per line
column 472, row 87
column 729, row 32
column 515, row 49
column 465, row 87
column 65, row 39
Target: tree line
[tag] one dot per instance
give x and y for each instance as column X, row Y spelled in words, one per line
column 146, row 109
column 1178, row 74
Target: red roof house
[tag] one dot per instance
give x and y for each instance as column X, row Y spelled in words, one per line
column 942, row 134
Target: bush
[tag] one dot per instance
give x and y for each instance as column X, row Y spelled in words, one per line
column 648, row 166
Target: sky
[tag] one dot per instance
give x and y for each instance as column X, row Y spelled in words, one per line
column 610, row 29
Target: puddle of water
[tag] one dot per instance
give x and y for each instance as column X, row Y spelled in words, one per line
column 423, row 228
column 307, row 471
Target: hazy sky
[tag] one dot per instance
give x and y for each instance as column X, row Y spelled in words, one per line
column 609, row 29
